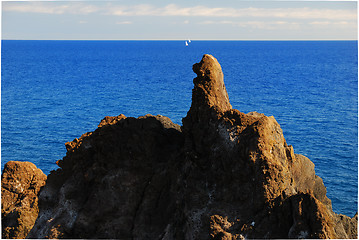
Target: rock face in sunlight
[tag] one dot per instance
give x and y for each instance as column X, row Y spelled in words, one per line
column 20, row 184
column 222, row 175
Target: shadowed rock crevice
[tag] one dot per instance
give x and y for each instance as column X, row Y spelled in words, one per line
column 222, row 175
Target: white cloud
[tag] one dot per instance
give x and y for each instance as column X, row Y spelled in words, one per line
column 333, row 23
column 269, row 25
column 138, row 10
column 202, row 11
column 276, row 25
column 226, row 22
column 124, row 22
column 174, row 10
column 321, row 23
column 49, row 7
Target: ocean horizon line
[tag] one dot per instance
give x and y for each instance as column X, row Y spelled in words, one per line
column 204, row 40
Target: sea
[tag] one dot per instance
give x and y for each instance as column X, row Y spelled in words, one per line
column 54, row 91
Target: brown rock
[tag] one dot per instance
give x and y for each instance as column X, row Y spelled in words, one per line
column 346, row 226
column 209, row 97
column 111, row 120
column 251, row 177
column 20, row 184
column 209, row 89
column 223, row 175
column 113, row 183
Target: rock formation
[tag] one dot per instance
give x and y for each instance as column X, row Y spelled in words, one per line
column 222, row 175
column 20, row 184
column 114, row 182
column 255, row 186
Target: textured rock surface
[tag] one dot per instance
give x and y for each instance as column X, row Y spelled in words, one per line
column 222, row 175
column 113, row 183
column 20, row 184
column 244, row 172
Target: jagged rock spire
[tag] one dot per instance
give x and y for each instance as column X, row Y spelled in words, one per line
column 209, row 90
column 209, row 101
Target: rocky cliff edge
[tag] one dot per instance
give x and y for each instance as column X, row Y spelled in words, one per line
column 222, row 175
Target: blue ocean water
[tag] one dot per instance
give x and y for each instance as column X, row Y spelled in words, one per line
column 54, row 91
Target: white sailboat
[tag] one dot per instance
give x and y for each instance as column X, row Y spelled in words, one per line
column 186, row 43
column 189, row 40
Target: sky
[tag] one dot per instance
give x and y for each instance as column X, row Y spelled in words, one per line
column 178, row 20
